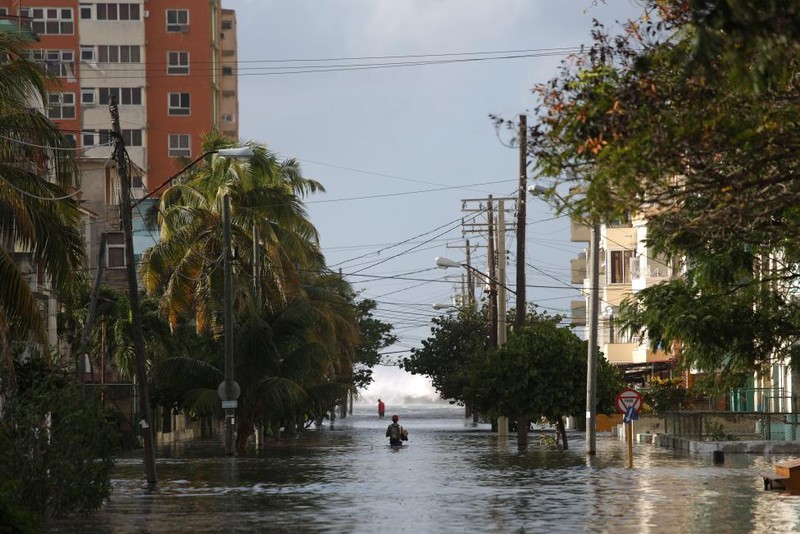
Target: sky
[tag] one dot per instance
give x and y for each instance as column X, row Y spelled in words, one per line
column 398, row 148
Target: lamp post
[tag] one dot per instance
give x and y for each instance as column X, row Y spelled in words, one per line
column 231, row 153
column 228, row 390
column 594, row 305
column 446, row 263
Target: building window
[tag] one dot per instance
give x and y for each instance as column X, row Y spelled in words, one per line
column 227, row 24
column 228, row 93
column 132, row 137
column 227, row 71
column 87, row 53
column 87, row 140
column 59, row 63
column 620, row 266
column 126, row 96
column 118, row 54
column 61, row 106
column 115, row 249
column 50, row 20
column 3, row 11
column 179, row 104
column 70, row 141
column 177, row 20
column 87, row 96
column 180, row 146
column 228, row 117
column 109, row 11
column 177, row 62
column 85, row 11
column 228, row 53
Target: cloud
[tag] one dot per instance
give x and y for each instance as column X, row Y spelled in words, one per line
column 425, row 25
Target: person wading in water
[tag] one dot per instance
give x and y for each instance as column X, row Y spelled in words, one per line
column 396, row 433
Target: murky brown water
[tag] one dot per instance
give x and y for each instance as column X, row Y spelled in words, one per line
column 452, row 477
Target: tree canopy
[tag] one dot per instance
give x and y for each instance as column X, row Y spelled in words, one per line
column 37, row 212
column 689, row 120
column 447, row 356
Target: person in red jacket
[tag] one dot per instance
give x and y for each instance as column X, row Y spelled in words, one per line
column 381, row 409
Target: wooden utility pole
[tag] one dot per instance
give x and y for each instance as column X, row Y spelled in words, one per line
column 521, row 221
column 521, row 305
column 492, row 277
column 120, row 156
column 470, row 280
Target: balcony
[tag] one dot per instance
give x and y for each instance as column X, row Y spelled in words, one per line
column 579, row 232
column 578, row 312
column 578, row 269
column 646, row 272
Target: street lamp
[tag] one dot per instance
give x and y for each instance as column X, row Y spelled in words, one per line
column 446, row 263
column 594, row 305
column 228, row 390
column 230, row 153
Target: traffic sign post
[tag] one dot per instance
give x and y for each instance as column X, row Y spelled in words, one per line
column 629, row 402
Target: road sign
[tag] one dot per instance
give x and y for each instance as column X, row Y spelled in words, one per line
column 630, row 415
column 236, row 391
column 629, row 398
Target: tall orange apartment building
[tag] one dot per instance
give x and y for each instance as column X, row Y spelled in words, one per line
column 171, row 64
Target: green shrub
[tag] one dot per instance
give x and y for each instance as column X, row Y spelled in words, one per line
column 57, row 448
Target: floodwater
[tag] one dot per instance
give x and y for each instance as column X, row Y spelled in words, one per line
column 453, row 476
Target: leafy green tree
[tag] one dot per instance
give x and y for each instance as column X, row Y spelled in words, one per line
column 448, row 355
column 540, row 372
column 375, row 336
column 57, row 448
column 36, row 211
column 688, row 121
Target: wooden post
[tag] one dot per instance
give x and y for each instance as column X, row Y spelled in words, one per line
column 629, row 439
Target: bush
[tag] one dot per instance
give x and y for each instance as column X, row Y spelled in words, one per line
column 665, row 394
column 57, row 448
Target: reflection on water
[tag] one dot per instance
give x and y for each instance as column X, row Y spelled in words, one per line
column 452, row 477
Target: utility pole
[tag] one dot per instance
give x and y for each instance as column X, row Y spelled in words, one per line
column 521, row 304
column 470, row 280
column 231, row 396
column 502, row 331
column 502, row 421
column 133, row 292
column 521, row 221
column 492, row 277
column 591, row 364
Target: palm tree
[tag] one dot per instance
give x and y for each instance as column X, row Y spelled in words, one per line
column 297, row 330
column 37, row 214
column 183, row 267
column 289, row 362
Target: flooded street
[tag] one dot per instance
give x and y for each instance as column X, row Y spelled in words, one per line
column 452, row 477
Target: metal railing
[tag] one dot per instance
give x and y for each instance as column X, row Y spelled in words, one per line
column 729, row 426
